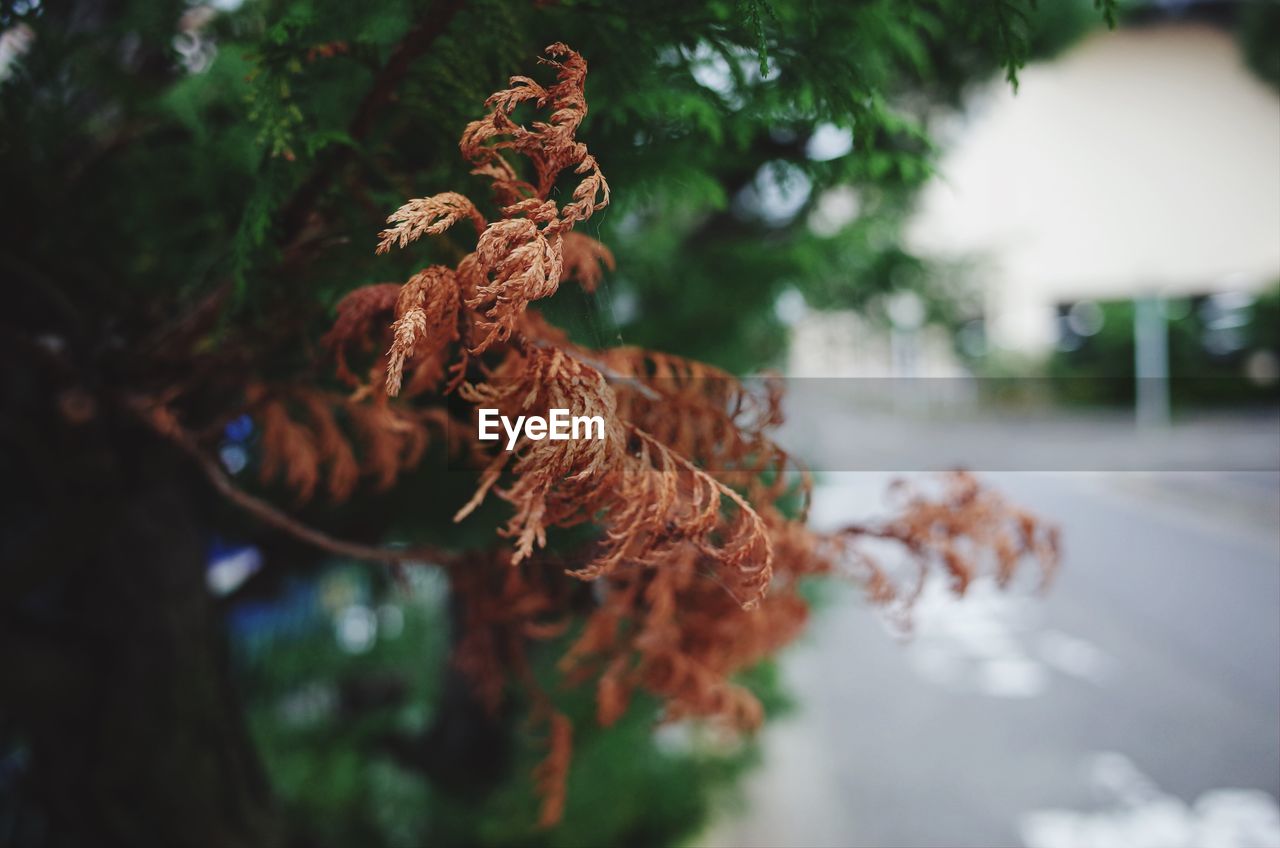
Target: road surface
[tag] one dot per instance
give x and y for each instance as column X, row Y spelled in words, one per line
column 1136, row 705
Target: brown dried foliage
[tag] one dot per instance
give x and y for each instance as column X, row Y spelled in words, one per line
column 698, row 550
column 304, row 441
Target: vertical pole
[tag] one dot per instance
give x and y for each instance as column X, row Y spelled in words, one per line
column 906, row 316
column 1151, row 362
column 904, row 351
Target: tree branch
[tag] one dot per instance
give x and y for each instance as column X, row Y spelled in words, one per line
column 162, row 422
column 414, row 43
column 634, row 383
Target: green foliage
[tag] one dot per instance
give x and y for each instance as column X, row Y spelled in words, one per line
column 701, row 114
column 1208, row 362
column 1109, row 9
column 325, row 746
column 1259, row 34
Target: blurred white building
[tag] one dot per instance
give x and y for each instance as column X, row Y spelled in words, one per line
column 1141, row 162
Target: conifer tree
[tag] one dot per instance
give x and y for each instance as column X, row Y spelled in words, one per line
column 357, row 223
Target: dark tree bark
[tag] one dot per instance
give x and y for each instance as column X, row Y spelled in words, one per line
column 116, row 684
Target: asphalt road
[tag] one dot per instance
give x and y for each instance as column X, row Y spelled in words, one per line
column 1137, row 704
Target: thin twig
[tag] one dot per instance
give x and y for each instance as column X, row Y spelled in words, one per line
column 635, row 383
column 161, row 421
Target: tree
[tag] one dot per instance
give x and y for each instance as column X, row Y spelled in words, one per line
column 199, row 195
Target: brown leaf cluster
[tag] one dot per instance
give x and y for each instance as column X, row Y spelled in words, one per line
column 310, row 437
column 698, row 539
column 521, row 257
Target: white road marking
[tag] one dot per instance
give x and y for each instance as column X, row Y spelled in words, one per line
column 987, row 642
column 1141, row 815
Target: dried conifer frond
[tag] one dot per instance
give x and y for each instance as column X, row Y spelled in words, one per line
column 959, row 530
column 700, row 411
column 497, row 602
column 393, row 440
column 585, row 259
column 670, row 631
column 549, row 776
column 520, row 258
column 592, row 193
column 549, row 146
column 341, row 439
column 428, row 216
column 334, row 448
column 426, row 320
column 554, row 483
column 645, row 498
column 289, row 450
column 358, row 313
column 718, row 522
column 519, row 264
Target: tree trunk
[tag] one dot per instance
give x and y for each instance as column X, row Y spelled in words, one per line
column 117, row 693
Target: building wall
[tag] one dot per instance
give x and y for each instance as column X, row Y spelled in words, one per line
column 1142, row 161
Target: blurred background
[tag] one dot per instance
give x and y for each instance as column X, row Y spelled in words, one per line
column 1118, row 221
column 1072, row 289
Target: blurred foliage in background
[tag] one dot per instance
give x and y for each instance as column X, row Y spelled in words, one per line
column 157, row 155
column 1259, row 33
column 342, row 675
column 1223, row 348
column 232, row 144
